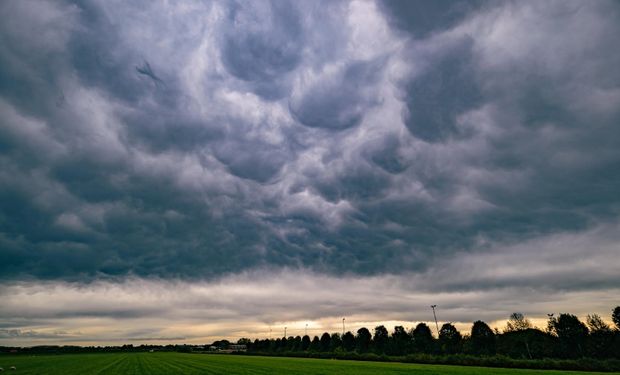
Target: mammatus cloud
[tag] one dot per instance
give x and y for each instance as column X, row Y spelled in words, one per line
column 352, row 140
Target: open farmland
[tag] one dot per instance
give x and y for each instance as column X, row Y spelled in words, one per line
column 176, row 363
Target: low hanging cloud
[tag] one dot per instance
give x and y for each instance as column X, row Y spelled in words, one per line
column 352, row 139
column 531, row 277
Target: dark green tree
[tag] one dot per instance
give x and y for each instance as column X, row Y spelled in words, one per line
column 450, row 339
column 325, row 342
column 615, row 317
column 221, row 344
column 348, row 342
column 305, row 342
column 528, row 343
column 315, row 345
column 244, row 341
column 596, row 324
column 572, row 335
column 601, row 339
column 400, row 342
column 517, row 322
column 336, row 342
column 363, row 340
column 422, row 339
column 380, row 339
column 482, row 339
column 296, row 343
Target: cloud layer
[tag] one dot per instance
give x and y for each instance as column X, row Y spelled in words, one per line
column 531, row 277
column 199, row 140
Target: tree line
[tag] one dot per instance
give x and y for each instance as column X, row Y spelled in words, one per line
column 565, row 337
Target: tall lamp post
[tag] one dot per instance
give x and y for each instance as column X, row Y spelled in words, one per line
column 435, row 316
column 306, row 330
column 342, row 327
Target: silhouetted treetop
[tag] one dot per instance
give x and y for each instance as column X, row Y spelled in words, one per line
column 615, row 317
column 517, row 322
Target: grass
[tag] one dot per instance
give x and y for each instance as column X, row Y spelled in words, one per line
column 179, row 363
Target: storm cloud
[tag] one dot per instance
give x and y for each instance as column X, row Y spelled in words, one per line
column 196, row 141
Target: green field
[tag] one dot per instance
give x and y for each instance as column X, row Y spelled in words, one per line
column 177, row 363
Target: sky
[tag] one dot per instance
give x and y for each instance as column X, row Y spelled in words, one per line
column 180, row 172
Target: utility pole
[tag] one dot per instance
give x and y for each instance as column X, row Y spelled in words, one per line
column 306, row 330
column 269, row 333
column 284, row 332
column 435, row 316
column 342, row 327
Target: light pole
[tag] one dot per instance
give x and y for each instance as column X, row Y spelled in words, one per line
column 435, row 316
column 269, row 333
column 284, row 332
column 306, row 330
column 342, row 327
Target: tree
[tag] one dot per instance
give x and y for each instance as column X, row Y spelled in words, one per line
column 551, row 323
column 348, row 341
column 325, row 342
column 529, row 343
column 336, row 342
column 571, row 333
column 363, row 339
column 221, row 344
column 450, row 339
column 615, row 317
column 380, row 339
column 517, row 322
column 422, row 339
column 601, row 339
column 305, row 342
column 596, row 324
column 315, row 345
column 482, row 339
column 296, row 343
column 244, row 341
column 401, row 341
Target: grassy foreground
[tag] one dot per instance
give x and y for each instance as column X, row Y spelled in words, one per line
column 179, row 363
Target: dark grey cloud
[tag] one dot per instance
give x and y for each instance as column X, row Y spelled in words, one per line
column 262, row 42
column 422, row 18
column 446, row 89
column 339, row 100
column 260, row 161
column 466, row 286
column 348, row 137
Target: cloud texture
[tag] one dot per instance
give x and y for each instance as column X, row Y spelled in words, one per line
column 198, row 140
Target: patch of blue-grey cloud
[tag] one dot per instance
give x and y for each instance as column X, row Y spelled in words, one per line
column 423, row 18
column 261, row 43
column 199, row 139
column 447, row 88
column 339, row 100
